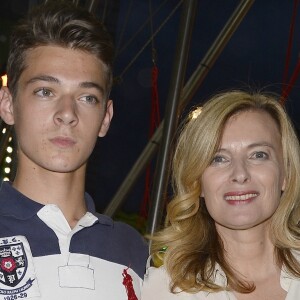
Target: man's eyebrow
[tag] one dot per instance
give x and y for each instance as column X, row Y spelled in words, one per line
column 90, row 84
column 46, row 78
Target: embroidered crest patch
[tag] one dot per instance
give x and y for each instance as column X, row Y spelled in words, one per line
column 17, row 276
column 13, row 264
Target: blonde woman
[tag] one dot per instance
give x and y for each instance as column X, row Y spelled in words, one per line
column 232, row 227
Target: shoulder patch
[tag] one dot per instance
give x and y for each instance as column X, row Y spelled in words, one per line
column 17, row 275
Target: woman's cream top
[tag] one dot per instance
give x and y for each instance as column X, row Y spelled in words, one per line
column 156, row 287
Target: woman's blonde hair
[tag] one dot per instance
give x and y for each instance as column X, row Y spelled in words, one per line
column 193, row 244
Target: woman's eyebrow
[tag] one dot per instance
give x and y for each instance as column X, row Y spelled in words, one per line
column 260, row 144
column 253, row 145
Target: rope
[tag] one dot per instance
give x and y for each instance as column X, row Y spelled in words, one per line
column 104, row 11
column 141, row 28
column 123, row 27
column 152, row 38
column 149, row 41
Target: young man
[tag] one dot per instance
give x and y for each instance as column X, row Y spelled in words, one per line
column 53, row 245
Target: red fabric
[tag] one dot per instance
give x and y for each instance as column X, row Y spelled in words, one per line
column 288, row 86
column 291, row 83
column 154, row 122
column 290, row 42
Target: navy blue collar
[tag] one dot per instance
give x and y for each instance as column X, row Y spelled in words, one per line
column 17, row 205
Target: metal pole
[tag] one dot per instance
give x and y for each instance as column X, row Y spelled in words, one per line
column 135, row 172
column 76, row 2
column 171, row 116
column 188, row 92
column 214, row 51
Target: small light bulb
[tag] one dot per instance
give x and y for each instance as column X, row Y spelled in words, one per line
column 9, row 149
column 4, row 80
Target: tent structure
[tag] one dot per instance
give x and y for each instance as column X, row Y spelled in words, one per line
column 170, row 56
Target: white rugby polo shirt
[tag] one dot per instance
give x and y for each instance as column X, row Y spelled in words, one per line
column 41, row 257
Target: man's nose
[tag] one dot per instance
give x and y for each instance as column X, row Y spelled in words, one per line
column 66, row 112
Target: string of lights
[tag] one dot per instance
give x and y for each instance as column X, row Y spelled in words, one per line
column 7, row 160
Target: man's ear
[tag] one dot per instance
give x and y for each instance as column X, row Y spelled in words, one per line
column 107, row 119
column 6, row 106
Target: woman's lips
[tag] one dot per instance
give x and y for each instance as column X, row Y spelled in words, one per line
column 240, row 197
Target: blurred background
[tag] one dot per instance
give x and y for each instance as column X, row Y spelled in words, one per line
column 171, row 55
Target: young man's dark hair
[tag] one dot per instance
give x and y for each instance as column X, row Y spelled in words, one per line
column 58, row 23
column 53, row 245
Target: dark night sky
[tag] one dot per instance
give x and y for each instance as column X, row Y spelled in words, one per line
column 255, row 57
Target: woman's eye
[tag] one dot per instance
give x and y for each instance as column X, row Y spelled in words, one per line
column 43, row 92
column 218, row 159
column 260, row 155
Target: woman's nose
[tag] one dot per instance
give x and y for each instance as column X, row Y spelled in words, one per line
column 240, row 172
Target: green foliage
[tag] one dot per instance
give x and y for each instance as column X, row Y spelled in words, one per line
column 136, row 221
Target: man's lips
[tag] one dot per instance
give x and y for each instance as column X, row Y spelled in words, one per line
column 63, row 142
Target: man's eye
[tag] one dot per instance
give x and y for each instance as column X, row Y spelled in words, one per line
column 43, row 92
column 89, row 99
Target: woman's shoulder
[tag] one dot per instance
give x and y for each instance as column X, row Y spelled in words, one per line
column 157, row 286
